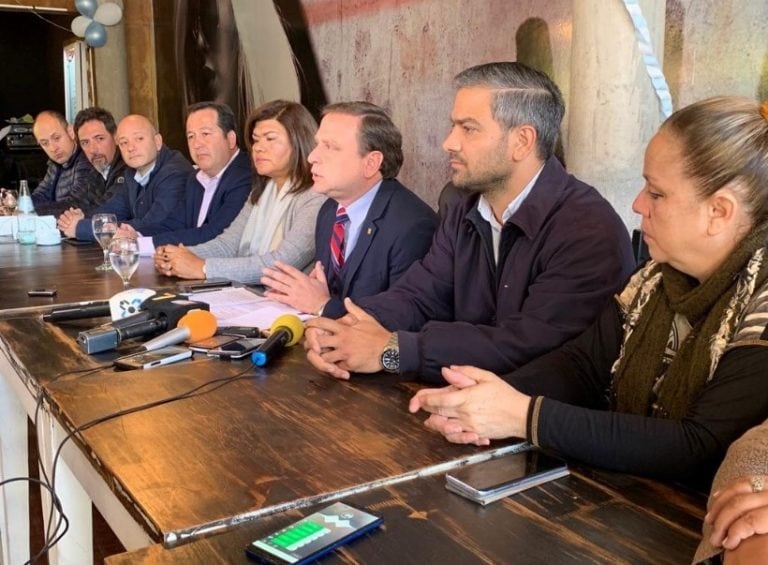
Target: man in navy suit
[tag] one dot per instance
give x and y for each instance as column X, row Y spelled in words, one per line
column 370, row 229
column 215, row 194
column 153, row 185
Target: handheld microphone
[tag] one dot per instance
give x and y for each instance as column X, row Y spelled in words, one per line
column 286, row 330
column 121, row 305
column 193, row 326
column 159, row 313
column 97, row 309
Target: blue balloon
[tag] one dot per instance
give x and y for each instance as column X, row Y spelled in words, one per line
column 86, row 7
column 95, row 34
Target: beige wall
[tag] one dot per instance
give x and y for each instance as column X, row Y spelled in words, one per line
column 715, row 48
column 402, row 54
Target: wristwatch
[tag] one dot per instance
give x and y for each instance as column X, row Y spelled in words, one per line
column 390, row 357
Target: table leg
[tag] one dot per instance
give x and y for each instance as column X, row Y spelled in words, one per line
column 14, row 498
column 77, row 544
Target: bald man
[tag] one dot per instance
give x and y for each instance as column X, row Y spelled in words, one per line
column 67, row 176
column 154, row 184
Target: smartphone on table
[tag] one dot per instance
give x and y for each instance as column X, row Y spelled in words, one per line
column 152, row 359
column 46, row 292
column 237, row 349
column 215, row 342
column 312, row 537
column 492, row 480
column 203, row 285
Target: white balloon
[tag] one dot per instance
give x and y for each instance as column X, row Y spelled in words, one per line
column 79, row 24
column 108, row 14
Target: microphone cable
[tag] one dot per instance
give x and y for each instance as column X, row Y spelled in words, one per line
column 190, row 393
column 50, row 536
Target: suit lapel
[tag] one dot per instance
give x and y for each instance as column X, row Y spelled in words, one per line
column 367, row 233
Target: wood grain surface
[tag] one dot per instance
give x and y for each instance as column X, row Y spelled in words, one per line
column 587, row 517
column 252, row 454
column 277, row 438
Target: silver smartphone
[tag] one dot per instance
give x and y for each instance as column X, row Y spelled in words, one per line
column 237, row 349
column 152, row 359
column 498, row 478
column 214, row 342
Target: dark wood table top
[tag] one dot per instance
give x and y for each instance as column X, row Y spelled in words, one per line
column 285, row 438
column 587, row 517
column 281, row 437
column 277, row 438
column 69, row 269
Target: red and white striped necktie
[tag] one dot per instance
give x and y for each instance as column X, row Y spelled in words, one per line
column 337, row 239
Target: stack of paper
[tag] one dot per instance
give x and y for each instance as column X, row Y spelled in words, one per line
column 234, row 306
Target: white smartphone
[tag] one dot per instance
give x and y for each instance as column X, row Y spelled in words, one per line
column 152, row 359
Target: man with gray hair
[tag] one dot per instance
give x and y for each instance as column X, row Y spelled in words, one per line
column 523, row 260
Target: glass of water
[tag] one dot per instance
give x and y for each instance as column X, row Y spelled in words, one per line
column 104, row 227
column 124, row 257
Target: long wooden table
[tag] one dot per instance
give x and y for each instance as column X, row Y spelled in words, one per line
column 587, row 517
column 251, row 454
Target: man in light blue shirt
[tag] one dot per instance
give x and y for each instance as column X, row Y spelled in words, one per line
column 370, row 229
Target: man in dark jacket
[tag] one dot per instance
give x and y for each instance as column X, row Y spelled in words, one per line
column 95, row 128
column 355, row 162
column 68, row 167
column 215, row 194
column 152, row 189
column 520, row 263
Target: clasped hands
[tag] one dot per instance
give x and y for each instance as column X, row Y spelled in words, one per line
column 177, row 260
column 67, row 221
column 351, row 343
column 475, row 407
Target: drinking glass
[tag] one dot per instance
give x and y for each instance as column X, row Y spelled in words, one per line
column 104, row 227
column 124, row 257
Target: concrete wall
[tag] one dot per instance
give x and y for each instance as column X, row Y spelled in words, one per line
column 716, row 47
column 402, row 54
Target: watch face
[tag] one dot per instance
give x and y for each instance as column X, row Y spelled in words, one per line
column 390, row 360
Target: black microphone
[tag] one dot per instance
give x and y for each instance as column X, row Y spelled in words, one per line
column 97, row 309
column 286, row 331
column 162, row 312
column 109, row 337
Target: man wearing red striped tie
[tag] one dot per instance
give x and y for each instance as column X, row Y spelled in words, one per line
column 370, row 229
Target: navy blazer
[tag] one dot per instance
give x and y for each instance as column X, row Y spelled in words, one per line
column 139, row 207
column 396, row 232
column 234, row 187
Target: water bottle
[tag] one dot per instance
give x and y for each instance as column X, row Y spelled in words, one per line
column 26, row 217
column 24, row 203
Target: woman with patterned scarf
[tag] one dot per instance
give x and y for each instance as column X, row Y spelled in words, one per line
column 674, row 369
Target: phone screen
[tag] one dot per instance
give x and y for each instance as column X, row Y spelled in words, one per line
column 313, row 536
